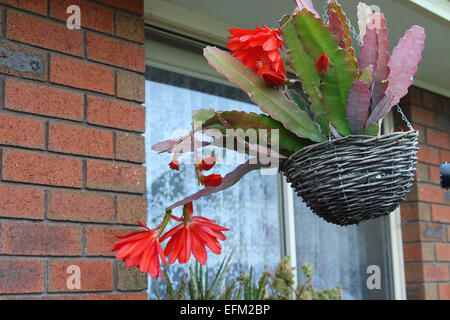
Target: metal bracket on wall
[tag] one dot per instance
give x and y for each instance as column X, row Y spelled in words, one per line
column 21, row 61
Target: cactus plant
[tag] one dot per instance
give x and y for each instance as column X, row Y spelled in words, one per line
column 330, row 95
column 351, row 97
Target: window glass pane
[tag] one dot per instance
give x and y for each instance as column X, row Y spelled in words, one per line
column 341, row 255
column 249, row 209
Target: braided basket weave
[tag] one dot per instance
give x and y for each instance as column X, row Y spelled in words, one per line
column 354, row 178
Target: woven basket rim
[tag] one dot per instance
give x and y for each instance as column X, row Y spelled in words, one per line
column 364, row 138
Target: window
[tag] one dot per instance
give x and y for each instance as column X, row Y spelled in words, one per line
column 266, row 220
column 249, row 209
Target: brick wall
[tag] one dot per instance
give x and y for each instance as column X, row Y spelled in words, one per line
column 70, row 147
column 426, row 212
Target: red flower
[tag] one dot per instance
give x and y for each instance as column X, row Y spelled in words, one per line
column 207, row 163
column 193, row 236
column 322, row 63
column 273, row 78
column 259, row 50
column 213, row 180
column 141, row 249
column 174, row 165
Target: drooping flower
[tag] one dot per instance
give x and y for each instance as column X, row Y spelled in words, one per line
column 259, row 50
column 142, row 249
column 193, row 235
column 322, row 63
column 207, row 163
column 213, row 180
column 174, row 165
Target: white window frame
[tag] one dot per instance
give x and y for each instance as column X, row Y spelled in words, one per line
column 178, row 20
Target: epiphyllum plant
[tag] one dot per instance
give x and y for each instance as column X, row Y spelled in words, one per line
column 331, row 94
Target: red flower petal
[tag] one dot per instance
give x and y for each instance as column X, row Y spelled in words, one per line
column 212, row 180
column 141, row 249
column 199, row 251
column 273, row 79
column 192, row 237
column 174, row 165
column 259, row 50
column 322, row 63
column 207, row 163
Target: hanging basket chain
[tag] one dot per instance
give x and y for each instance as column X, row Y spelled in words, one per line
column 353, row 32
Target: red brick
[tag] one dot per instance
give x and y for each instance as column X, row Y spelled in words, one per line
column 415, row 96
column 99, row 240
column 423, row 116
column 93, row 16
column 130, row 210
column 39, row 168
column 428, row 155
column 130, row 27
column 421, row 291
column 438, row 138
column 415, row 211
column 21, row 202
column 80, row 206
column 39, row 73
column 115, row 52
column 130, row 86
column 21, row 276
column 430, row 100
column 422, row 132
column 21, row 131
column 422, row 231
column 415, row 252
column 80, row 74
column 94, row 275
column 44, row 33
column 445, row 155
column 80, row 140
column 40, row 239
column 46, row 297
column 116, row 114
column 115, row 176
column 130, row 279
column 135, row 6
column 426, row 272
column 444, row 105
column 442, row 251
column 414, row 272
column 37, row 6
column 44, row 100
column 441, row 213
column 135, row 296
column 130, row 147
column 435, row 272
column 435, row 174
column 444, row 291
column 422, row 173
column 413, row 194
column 430, row 193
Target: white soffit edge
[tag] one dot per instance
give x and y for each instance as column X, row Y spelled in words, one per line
column 179, row 19
column 438, row 7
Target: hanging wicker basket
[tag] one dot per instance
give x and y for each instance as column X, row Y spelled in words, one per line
column 355, row 178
